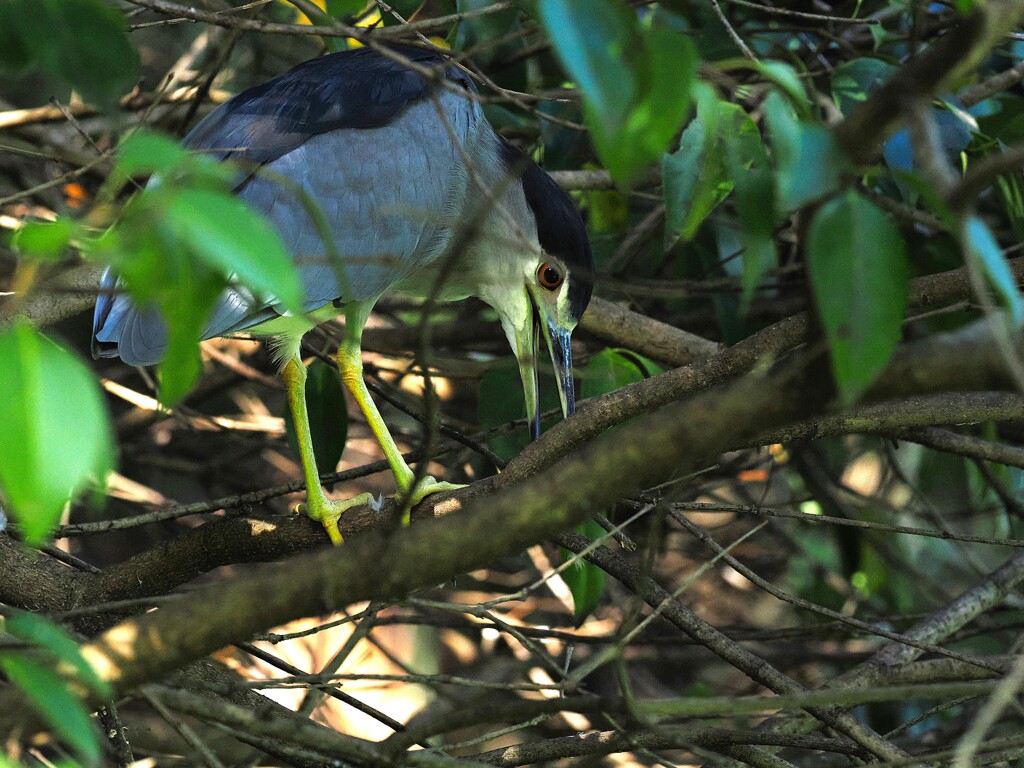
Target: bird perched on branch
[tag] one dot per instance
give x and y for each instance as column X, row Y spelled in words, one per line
column 381, row 174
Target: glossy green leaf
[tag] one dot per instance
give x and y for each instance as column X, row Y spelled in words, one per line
column 484, row 30
column 328, row 417
column 54, row 432
column 144, row 152
column 83, row 43
column 612, row 369
column 721, row 151
column 636, row 82
column 185, row 311
column 501, row 400
column 591, row 38
column 40, row 631
column 853, row 80
column 343, row 9
column 584, row 579
column 234, row 238
column 693, row 177
column 858, row 269
column 180, row 240
column 787, row 81
column 747, row 163
column 95, row 54
column 155, row 261
column 48, row 693
column 981, row 246
column 754, row 192
column 754, row 195
column 607, row 211
column 665, row 78
column 809, row 164
column 45, row 240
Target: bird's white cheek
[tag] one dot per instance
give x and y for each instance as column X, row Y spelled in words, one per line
column 516, row 321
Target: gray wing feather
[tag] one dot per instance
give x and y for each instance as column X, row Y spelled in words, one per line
column 390, row 194
column 388, row 197
column 121, row 329
column 354, row 89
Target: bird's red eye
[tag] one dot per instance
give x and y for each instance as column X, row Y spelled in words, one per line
column 549, row 276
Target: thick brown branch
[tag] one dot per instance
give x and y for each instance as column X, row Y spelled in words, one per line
column 956, row 53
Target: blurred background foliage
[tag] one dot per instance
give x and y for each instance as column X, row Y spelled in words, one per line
column 699, row 139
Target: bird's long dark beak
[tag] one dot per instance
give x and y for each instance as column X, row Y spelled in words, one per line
column 558, row 344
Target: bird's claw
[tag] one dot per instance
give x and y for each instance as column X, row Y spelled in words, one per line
column 425, row 487
column 328, row 512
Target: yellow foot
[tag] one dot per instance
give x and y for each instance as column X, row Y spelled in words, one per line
column 424, row 488
column 329, row 511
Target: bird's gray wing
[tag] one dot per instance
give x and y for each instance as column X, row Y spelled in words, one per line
column 121, row 329
column 352, row 89
column 355, row 134
column 390, row 198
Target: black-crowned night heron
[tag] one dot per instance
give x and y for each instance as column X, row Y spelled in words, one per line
column 420, row 195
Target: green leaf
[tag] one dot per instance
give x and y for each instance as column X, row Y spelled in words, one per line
column 635, row 79
column 185, row 312
column 180, row 240
column 94, row 53
column 54, row 432
column 591, row 39
column 501, row 400
column 48, row 694
column 858, row 270
column 754, row 194
column 612, row 369
column 343, row 9
column 81, row 42
column 781, row 75
column 721, row 151
column 809, row 164
column 788, row 81
column 982, row 247
column 328, row 417
column 144, row 152
column 693, row 177
column 853, row 80
column 665, row 77
column 608, row 211
column 45, row 240
column 234, row 238
column 44, row 633
column 584, row 579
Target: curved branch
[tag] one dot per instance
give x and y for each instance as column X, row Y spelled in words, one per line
column 959, row 51
column 373, row 566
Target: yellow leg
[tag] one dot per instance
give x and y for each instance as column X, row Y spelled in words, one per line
column 350, row 364
column 317, row 505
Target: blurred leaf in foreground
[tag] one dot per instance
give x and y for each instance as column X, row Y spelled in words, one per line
column 55, row 437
